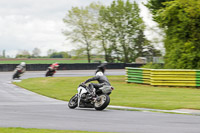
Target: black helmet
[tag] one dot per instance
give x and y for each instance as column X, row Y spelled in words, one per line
column 101, row 68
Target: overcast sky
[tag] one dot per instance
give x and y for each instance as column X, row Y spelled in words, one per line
column 27, row 24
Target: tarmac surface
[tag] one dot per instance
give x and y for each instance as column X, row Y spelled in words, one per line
column 22, row 108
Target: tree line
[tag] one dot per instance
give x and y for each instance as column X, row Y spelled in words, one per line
column 116, row 31
column 36, row 53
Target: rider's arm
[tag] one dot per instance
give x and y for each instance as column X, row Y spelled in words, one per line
column 91, row 79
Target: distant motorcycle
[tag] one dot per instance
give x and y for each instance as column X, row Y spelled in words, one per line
column 17, row 74
column 50, row 72
column 52, row 69
column 83, row 99
column 19, row 70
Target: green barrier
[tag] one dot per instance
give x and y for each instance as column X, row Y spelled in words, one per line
column 166, row 77
column 138, row 75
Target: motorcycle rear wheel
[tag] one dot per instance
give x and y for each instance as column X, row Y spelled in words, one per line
column 73, row 102
column 102, row 103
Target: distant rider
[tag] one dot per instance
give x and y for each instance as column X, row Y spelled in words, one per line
column 19, row 70
column 53, row 67
column 21, row 67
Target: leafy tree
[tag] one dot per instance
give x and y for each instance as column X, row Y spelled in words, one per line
column 50, row 51
column 23, row 54
column 122, row 31
column 78, row 53
column 155, row 5
column 36, row 52
column 106, row 36
column 143, row 47
column 59, row 55
column 3, row 54
column 180, row 20
column 82, row 26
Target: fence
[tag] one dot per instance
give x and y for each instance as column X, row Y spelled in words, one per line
column 167, row 77
column 75, row 66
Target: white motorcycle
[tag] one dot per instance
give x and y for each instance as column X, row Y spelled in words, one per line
column 98, row 100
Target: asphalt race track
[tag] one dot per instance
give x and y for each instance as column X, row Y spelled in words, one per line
column 22, row 108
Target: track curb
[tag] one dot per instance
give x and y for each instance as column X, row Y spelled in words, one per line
column 178, row 111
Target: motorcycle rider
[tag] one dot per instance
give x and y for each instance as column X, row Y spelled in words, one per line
column 21, row 68
column 53, row 67
column 102, row 81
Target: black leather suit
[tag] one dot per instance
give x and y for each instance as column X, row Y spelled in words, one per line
column 103, row 80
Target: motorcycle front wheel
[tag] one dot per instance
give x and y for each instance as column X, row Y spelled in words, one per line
column 73, row 102
column 16, row 75
column 102, row 102
column 48, row 73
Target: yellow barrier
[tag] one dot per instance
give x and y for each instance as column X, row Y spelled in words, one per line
column 167, row 77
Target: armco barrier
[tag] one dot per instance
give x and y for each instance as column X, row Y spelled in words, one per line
column 75, row 66
column 167, row 77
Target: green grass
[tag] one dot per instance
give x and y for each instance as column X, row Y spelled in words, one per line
column 133, row 95
column 44, row 61
column 33, row 130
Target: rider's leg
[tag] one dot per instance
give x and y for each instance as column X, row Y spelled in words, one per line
column 97, row 86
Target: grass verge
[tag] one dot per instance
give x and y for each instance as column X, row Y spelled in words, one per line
column 33, row 130
column 45, row 61
column 132, row 95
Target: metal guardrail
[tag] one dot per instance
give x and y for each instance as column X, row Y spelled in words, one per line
column 166, row 77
